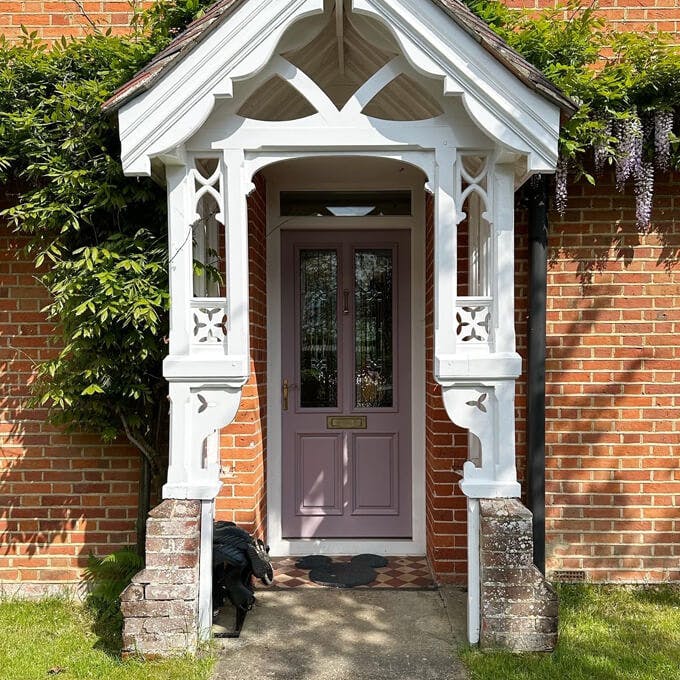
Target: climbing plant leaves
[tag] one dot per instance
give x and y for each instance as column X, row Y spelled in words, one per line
column 98, row 239
column 617, row 78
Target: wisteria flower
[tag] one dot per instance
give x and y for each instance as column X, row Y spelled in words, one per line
column 629, row 150
column 663, row 128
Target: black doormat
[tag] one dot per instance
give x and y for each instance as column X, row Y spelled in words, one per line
column 359, row 571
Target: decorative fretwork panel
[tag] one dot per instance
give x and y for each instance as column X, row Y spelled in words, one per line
column 208, row 323
column 474, row 322
column 473, row 172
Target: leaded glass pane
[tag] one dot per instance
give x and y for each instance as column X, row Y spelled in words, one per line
column 373, row 328
column 318, row 329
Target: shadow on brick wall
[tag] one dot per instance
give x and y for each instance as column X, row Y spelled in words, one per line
column 599, row 228
column 61, row 496
column 612, row 393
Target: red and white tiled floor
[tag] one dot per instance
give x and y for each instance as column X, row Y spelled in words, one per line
column 401, row 573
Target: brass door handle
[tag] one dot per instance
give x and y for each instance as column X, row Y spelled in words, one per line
column 285, row 395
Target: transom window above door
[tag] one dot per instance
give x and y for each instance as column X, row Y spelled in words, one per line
column 344, row 203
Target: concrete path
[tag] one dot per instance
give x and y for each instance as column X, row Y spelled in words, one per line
column 324, row 634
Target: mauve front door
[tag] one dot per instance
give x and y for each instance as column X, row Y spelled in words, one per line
column 346, row 429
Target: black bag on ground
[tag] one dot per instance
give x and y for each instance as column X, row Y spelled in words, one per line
column 237, row 557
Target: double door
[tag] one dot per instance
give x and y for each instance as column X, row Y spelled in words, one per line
column 346, row 392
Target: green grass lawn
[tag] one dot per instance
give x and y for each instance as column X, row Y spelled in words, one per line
column 606, row 633
column 56, row 639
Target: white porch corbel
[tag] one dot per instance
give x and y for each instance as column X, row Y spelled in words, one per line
column 197, row 412
column 486, row 409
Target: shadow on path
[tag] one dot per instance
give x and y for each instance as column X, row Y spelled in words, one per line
column 318, row 634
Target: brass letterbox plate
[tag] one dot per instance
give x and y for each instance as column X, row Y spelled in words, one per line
column 346, row 423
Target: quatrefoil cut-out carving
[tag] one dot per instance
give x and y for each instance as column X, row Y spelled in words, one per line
column 473, row 323
column 210, row 325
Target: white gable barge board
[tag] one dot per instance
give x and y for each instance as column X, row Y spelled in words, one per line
column 179, row 102
column 457, row 10
column 501, row 104
column 176, row 106
column 511, row 58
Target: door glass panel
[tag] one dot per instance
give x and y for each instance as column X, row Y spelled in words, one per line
column 373, row 328
column 318, row 328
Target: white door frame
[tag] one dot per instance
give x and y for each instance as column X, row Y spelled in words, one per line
column 416, row 225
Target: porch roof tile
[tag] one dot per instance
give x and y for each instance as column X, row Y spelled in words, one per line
column 456, row 9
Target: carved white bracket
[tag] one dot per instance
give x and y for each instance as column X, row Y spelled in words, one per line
column 487, row 411
column 197, row 411
column 472, row 178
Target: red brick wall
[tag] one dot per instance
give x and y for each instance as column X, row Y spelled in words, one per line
column 613, row 394
column 445, row 451
column 243, row 497
column 52, row 19
column 61, row 496
column 445, row 443
column 627, row 15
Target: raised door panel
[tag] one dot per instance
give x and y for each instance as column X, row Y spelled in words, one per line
column 318, row 478
column 375, row 474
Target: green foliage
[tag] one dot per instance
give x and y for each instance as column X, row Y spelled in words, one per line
column 108, row 577
column 164, row 19
column 110, row 301
column 60, row 639
column 98, row 238
column 624, row 84
column 610, row 74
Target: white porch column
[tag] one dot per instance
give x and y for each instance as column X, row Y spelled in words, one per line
column 473, row 580
column 205, row 571
column 475, row 355
column 180, row 273
column 238, row 299
column 475, row 358
column 208, row 362
column 445, row 261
